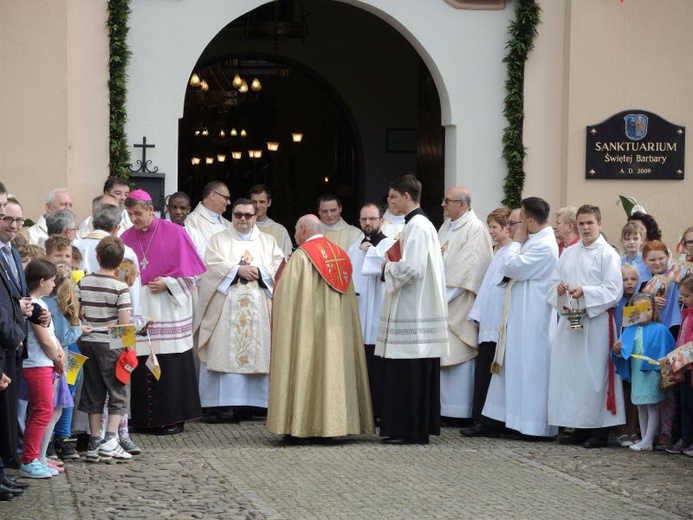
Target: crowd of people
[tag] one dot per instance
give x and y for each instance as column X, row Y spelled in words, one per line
column 512, row 325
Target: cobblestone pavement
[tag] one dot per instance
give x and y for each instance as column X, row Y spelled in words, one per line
column 233, row 471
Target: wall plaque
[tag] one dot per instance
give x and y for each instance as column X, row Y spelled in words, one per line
column 635, row 144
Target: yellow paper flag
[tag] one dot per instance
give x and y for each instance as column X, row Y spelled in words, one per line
column 121, row 336
column 75, row 362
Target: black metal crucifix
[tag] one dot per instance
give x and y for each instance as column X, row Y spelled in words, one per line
column 144, row 163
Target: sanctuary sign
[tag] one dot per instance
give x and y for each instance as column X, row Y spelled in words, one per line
column 635, row 144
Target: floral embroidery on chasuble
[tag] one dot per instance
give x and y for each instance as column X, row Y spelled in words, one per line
column 331, row 261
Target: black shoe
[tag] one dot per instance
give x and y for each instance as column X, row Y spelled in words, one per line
column 12, row 463
column 593, row 442
column 293, row 441
column 394, row 440
column 11, row 483
column 171, row 430
column 6, row 496
column 479, row 430
column 572, row 440
column 13, row 491
column 398, row 441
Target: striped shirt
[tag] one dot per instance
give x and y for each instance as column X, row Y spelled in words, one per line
column 101, row 298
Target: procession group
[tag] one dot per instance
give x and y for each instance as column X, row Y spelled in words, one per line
column 513, row 324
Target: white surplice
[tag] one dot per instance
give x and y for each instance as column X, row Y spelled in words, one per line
column 518, row 395
column 207, row 222
column 232, row 322
column 392, row 224
column 342, row 234
column 580, row 359
column 414, row 317
column 467, row 253
column 279, row 232
column 370, row 290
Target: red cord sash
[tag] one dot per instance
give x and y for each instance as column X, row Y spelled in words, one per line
column 610, row 391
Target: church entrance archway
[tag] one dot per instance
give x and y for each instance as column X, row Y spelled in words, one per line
column 359, row 93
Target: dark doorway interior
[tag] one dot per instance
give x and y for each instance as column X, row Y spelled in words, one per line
column 343, row 78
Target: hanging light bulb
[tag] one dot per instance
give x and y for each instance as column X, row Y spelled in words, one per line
column 197, row 132
column 203, row 85
column 222, row 133
column 237, row 81
column 205, row 132
column 233, row 132
column 194, row 80
column 244, row 133
column 256, row 85
column 243, row 88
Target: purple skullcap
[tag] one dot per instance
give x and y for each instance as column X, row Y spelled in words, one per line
column 140, row 195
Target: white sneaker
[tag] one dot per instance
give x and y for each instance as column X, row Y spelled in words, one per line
column 113, row 449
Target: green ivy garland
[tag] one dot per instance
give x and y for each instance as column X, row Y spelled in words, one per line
column 118, row 13
column 523, row 31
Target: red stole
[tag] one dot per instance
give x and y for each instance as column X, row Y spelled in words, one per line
column 331, row 261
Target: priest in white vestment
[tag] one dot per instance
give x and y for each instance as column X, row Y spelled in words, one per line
column 366, row 257
column 232, row 320
column 262, row 198
column 518, row 393
column 334, row 228
column 584, row 391
column 467, row 252
column 413, row 331
column 207, row 216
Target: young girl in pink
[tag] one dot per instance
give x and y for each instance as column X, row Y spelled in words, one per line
column 47, row 389
column 685, row 443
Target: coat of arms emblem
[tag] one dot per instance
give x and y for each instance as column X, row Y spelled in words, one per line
column 636, row 126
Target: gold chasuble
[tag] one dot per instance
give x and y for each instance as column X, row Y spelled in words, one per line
column 318, row 378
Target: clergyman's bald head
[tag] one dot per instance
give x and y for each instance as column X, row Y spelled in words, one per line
column 306, row 227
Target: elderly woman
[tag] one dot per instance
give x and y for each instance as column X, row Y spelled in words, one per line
column 168, row 265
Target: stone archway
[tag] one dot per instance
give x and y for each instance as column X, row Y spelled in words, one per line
column 462, row 50
column 360, row 107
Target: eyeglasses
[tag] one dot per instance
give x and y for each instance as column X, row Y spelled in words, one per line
column 226, row 197
column 687, row 243
column 448, row 201
column 239, row 215
column 369, row 219
column 10, row 220
column 514, row 222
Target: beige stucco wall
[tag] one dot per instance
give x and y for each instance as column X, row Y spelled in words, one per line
column 595, row 58
column 53, row 100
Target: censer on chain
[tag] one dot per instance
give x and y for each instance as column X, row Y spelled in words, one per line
column 574, row 316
